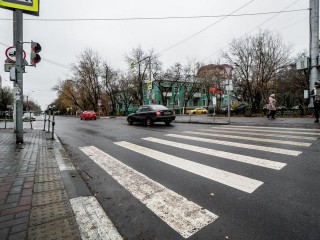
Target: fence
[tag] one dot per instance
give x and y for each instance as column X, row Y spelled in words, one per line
column 6, row 120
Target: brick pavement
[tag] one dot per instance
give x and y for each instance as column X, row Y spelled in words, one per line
column 33, row 200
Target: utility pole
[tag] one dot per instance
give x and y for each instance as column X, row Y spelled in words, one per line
column 314, row 45
column 19, row 75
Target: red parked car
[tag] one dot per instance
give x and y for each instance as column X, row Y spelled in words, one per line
column 88, row 115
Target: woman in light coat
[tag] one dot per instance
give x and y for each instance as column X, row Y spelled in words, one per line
column 272, row 106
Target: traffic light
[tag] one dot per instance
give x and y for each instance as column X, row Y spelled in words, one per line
column 34, row 56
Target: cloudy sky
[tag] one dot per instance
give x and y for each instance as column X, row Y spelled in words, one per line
column 63, row 36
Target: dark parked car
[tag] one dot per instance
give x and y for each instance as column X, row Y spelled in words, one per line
column 149, row 114
column 241, row 108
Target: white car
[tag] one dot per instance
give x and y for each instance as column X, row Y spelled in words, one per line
column 28, row 116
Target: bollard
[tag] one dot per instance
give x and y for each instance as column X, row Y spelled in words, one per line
column 49, row 119
column 30, row 120
column 44, row 124
column 53, row 122
column 5, row 121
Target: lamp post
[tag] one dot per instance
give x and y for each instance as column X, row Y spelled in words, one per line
column 229, row 87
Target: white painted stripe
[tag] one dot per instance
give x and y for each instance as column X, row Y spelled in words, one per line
column 258, row 134
column 280, row 128
column 300, row 144
column 240, row 145
column 230, row 179
column 213, row 152
column 182, row 215
column 271, row 130
column 64, row 164
column 92, row 221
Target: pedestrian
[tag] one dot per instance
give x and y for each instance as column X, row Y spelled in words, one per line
column 316, row 100
column 272, row 106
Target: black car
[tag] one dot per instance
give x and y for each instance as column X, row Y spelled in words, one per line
column 149, row 114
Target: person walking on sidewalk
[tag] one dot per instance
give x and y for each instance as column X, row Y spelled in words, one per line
column 272, row 106
column 316, row 100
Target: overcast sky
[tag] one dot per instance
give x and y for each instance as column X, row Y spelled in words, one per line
column 178, row 40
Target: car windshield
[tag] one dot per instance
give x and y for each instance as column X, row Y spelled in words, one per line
column 158, row 107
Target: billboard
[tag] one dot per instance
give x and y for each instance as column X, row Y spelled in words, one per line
column 25, row 5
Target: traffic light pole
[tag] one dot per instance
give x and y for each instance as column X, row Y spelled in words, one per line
column 314, row 45
column 19, row 75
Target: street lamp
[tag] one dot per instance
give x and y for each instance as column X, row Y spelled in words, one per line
column 229, row 87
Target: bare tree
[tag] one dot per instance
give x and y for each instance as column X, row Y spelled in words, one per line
column 256, row 61
column 111, row 82
column 6, row 98
column 139, row 61
column 87, row 76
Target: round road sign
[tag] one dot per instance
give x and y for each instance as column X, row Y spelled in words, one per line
column 11, row 54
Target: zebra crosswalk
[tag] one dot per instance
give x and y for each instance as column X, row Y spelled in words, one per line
column 182, row 215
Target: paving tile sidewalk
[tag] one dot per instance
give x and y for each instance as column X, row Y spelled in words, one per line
column 33, row 199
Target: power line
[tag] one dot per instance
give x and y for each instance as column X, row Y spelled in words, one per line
column 204, row 29
column 153, row 18
column 259, row 25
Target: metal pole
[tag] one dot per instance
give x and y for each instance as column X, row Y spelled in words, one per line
column 19, row 76
column 228, row 104
column 314, row 44
column 30, row 120
column 44, row 122
column 150, row 74
column 53, row 123
column 14, row 83
column 5, row 120
column 49, row 119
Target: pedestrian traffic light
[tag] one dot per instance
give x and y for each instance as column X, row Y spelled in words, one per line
column 34, row 56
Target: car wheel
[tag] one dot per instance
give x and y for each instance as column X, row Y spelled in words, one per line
column 80, row 118
column 194, row 112
column 95, row 118
column 129, row 120
column 167, row 123
column 148, row 122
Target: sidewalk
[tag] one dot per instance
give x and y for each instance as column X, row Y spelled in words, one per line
column 35, row 191
column 33, row 199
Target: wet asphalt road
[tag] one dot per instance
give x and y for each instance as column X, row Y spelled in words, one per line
column 286, row 206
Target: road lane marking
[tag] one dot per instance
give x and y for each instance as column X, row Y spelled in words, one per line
column 270, row 130
column 92, row 221
column 213, row 152
column 300, row 144
column 235, row 144
column 180, row 214
column 230, row 179
column 280, row 128
column 258, row 134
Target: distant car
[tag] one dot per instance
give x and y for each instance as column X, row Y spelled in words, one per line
column 90, row 115
column 199, row 111
column 189, row 110
column 296, row 107
column 241, row 108
column 150, row 114
column 281, row 108
column 28, row 116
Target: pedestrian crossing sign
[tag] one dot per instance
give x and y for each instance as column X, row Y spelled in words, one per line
column 26, row 5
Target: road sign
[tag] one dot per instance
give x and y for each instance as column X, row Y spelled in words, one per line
column 27, row 5
column 99, row 102
column 11, row 54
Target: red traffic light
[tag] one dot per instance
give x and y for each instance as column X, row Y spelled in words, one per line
column 34, row 56
column 36, row 59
